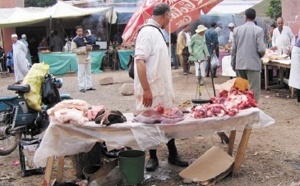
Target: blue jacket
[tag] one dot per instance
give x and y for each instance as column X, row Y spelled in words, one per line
column 211, row 36
column 9, row 59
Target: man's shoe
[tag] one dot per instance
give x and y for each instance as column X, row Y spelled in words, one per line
column 152, row 165
column 82, row 90
column 90, row 89
column 175, row 160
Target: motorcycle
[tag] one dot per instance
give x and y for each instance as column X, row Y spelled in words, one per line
column 18, row 120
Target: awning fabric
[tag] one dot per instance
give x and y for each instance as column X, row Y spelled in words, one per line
column 13, row 17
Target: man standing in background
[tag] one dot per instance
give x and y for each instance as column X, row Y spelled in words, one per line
column 212, row 44
column 21, row 65
column 282, row 38
column 183, row 41
column 247, row 49
column 84, row 65
column 56, row 43
column 28, row 55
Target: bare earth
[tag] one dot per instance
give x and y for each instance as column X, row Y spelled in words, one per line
column 272, row 157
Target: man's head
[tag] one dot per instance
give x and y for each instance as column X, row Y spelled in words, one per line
column 14, row 38
column 79, row 30
column 213, row 25
column 250, row 14
column 23, row 36
column 161, row 14
column 280, row 22
column 186, row 28
column 231, row 26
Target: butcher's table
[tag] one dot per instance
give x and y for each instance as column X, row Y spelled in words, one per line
column 67, row 139
column 281, row 65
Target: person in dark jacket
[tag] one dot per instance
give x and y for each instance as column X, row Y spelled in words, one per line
column 212, row 44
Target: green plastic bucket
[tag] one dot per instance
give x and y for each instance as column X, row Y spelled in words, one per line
column 132, row 164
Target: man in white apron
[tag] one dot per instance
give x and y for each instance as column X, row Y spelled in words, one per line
column 153, row 77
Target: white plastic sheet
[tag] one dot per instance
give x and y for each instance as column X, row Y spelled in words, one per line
column 68, row 139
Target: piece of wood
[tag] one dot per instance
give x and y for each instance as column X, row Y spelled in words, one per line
column 48, row 171
column 241, row 151
column 60, row 170
column 266, row 77
column 232, row 135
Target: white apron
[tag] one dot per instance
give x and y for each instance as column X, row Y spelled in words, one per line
column 294, row 79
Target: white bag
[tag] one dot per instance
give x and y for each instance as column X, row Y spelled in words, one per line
column 215, row 63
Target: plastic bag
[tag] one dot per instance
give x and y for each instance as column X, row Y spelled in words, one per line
column 215, row 63
column 50, row 94
column 35, row 78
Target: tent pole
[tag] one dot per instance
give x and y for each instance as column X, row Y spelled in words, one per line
column 50, row 28
column 111, row 15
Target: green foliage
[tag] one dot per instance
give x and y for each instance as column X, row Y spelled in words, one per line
column 39, row 3
column 274, row 9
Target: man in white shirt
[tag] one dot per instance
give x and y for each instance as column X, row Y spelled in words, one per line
column 282, row 38
column 231, row 27
column 183, row 41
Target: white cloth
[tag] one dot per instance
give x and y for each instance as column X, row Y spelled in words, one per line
column 68, row 139
column 151, row 47
column 227, row 68
column 188, row 38
column 20, row 62
column 282, row 40
column 84, row 76
column 294, row 79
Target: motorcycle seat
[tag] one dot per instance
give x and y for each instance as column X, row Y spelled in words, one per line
column 19, row 88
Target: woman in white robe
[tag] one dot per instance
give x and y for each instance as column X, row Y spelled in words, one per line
column 21, row 67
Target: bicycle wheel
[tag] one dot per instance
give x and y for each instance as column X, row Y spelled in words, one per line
column 8, row 142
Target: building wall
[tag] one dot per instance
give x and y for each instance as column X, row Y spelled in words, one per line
column 6, row 32
column 291, row 15
column 11, row 3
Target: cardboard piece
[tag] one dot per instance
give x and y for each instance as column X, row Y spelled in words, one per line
column 213, row 165
column 239, row 83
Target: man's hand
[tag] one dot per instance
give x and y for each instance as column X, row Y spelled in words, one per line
column 88, row 47
column 147, row 98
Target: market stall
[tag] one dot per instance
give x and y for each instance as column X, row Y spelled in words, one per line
column 62, row 62
column 59, row 138
column 124, row 57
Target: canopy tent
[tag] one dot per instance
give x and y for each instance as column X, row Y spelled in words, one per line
column 260, row 8
column 14, row 17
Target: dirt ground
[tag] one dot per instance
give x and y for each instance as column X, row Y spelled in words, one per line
column 272, row 156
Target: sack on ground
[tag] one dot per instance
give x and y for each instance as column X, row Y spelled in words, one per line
column 130, row 66
column 215, row 63
column 35, row 78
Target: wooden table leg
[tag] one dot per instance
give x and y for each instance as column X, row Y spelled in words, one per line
column 59, row 177
column 281, row 83
column 231, row 142
column 241, row 151
column 266, row 76
column 48, row 171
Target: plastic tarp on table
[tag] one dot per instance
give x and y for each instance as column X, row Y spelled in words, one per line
column 67, row 139
column 62, row 62
column 124, row 57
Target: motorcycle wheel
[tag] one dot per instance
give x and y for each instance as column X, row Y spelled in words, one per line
column 8, row 142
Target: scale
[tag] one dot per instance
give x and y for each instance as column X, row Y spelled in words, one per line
column 200, row 85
